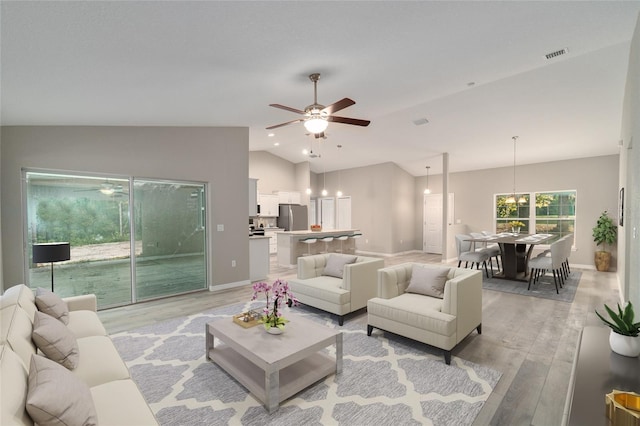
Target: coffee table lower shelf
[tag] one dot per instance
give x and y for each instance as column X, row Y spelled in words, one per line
column 292, row 378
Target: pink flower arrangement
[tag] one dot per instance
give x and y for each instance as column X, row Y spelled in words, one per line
column 276, row 293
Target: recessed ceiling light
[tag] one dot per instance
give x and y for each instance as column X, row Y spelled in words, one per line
column 276, row 144
column 271, row 135
column 305, row 152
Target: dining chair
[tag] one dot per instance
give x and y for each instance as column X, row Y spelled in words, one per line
column 466, row 254
column 539, row 265
column 493, row 250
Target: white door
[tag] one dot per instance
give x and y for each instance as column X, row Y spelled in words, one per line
column 432, row 222
column 343, row 213
column 328, row 213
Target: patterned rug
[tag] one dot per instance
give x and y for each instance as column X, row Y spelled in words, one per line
column 544, row 288
column 386, row 379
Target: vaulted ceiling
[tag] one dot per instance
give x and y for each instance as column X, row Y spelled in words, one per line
column 476, row 72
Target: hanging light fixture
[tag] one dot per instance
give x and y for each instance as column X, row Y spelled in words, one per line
column 512, row 198
column 427, row 190
column 324, row 182
column 339, row 192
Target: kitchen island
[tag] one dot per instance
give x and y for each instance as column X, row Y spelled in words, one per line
column 290, row 247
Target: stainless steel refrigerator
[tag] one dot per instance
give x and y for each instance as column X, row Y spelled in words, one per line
column 293, row 217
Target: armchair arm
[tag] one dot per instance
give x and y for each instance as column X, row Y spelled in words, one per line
column 360, row 279
column 463, row 299
column 86, row 302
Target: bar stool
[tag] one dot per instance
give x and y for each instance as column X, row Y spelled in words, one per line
column 326, row 240
column 342, row 239
column 308, row 242
column 354, row 237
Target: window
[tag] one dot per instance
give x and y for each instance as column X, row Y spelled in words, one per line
column 554, row 212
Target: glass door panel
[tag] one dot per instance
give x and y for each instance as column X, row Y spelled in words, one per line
column 92, row 214
column 170, row 231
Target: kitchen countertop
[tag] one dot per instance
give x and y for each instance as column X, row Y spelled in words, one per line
column 328, row 231
column 257, row 237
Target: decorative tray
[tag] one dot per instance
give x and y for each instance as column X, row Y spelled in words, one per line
column 247, row 319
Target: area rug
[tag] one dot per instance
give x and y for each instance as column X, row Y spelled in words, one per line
column 544, row 288
column 386, row 379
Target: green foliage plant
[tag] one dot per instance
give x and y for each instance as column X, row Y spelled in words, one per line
column 622, row 321
column 605, row 232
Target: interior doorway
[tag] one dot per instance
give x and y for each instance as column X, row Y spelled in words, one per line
column 432, row 222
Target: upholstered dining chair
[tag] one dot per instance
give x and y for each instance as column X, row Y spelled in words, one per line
column 492, row 249
column 466, row 254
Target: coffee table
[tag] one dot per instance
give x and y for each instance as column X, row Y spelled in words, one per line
column 274, row 367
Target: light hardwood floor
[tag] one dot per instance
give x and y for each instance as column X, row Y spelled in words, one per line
column 532, row 341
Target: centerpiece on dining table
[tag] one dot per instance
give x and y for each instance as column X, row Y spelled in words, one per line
column 515, row 226
column 277, row 294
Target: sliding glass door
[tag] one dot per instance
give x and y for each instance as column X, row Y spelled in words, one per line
column 170, row 231
column 160, row 252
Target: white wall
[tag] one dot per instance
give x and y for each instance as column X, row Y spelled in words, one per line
column 216, row 156
column 629, row 241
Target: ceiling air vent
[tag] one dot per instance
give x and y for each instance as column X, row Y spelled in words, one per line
column 420, row 121
column 556, row 53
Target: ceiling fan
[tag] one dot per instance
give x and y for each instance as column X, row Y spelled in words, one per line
column 316, row 116
column 107, row 188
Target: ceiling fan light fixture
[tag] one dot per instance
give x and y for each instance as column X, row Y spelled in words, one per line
column 316, row 124
column 107, row 191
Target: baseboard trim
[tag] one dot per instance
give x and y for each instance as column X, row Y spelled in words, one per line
column 227, row 286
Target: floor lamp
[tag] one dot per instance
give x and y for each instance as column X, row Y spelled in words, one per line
column 51, row 252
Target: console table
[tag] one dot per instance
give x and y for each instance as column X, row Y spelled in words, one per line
column 596, row 372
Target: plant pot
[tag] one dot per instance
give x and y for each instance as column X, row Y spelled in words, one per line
column 624, row 345
column 602, row 260
column 515, row 229
column 275, row 330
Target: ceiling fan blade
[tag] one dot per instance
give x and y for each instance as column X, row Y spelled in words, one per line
column 285, row 124
column 337, row 106
column 346, row 120
column 287, row 108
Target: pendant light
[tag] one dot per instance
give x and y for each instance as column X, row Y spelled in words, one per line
column 324, row 182
column 427, row 190
column 512, row 198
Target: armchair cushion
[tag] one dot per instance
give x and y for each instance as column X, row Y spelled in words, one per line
column 428, row 281
column 55, row 340
column 335, row 265
column 50, row 303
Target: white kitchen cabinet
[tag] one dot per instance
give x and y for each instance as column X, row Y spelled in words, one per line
column 258, row 258
column 269, row 205
column 273, row 239
column 289, row 197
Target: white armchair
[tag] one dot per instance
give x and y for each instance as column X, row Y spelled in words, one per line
column 440, row 322
column 328, row 282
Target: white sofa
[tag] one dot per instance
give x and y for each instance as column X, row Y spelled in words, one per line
column 116, row 397
column 339, row 296
column 442, row 323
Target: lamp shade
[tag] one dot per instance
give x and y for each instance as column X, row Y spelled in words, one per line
column 316, row 124
column 51, row 252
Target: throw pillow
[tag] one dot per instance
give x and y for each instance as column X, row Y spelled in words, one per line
column 335, row 265
column 57, row 397
column 428, row 281
column 50, row 303
column 55, row 340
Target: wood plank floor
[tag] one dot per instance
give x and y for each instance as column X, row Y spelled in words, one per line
column 532, row 341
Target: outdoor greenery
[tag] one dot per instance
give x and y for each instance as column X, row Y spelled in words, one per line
column 605, row 232
column 553, row 212
column 82, row 221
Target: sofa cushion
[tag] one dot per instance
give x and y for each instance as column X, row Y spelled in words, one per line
column 13, row 389
column 20, row 295
column 335, row 265
column 55, row 340
column 414, row 310
column 100, row 361
column 120, row 403
column 16, row 328
column 57, row 397
column 50, row 303
column 85, row 323
column 428, row 281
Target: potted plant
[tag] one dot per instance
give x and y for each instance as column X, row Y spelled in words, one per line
column 605, row 232
column 624, row 338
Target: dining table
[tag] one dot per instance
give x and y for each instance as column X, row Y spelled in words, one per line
column 515, row 251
